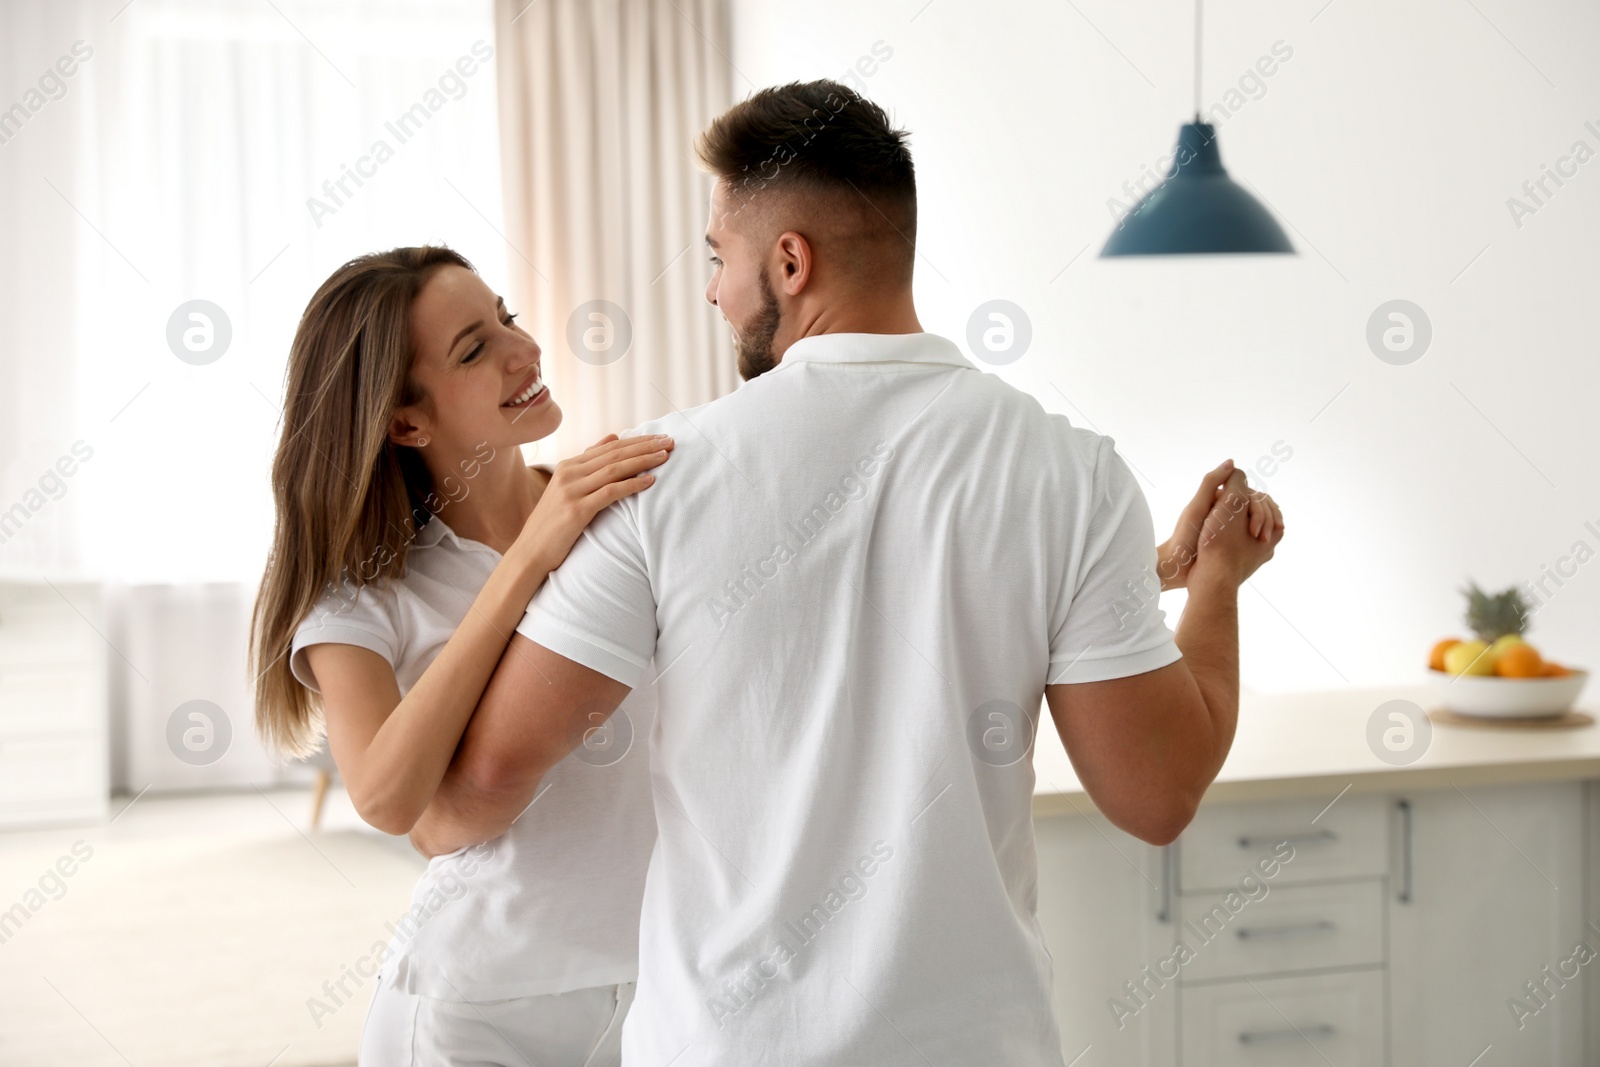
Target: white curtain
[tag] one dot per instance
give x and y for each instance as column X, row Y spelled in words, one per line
column 185, row 160
column 600, row 101
column 42, row 143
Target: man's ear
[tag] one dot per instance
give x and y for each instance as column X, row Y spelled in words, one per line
column 794, row 262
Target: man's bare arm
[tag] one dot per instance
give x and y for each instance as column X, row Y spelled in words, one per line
column 536, row 709
column 1147, row 747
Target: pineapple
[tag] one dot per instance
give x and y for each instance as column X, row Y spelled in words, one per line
column 1494, row 616
column 1499, row 620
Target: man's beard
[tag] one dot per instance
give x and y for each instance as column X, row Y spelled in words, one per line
column 754, row 342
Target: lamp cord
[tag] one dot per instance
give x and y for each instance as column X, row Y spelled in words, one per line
column 1197, row 4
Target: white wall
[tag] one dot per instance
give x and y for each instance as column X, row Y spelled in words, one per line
column 1390, row 142
column 177, row 643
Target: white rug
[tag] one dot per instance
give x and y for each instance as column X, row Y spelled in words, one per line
column 195, row 934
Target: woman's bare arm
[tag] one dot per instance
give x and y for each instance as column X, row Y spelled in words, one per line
column 391, row 751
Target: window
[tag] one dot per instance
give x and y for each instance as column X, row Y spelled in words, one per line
column 229, row 152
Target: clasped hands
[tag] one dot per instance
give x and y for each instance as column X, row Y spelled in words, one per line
column 1223, row 535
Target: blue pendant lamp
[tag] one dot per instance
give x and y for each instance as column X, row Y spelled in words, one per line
column 1197, row 209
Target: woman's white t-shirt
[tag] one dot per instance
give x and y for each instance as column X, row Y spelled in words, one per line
column 552, row 905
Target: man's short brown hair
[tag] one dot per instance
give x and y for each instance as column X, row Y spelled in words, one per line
column 820, row 137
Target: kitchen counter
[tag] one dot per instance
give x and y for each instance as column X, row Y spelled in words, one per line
column 1292, row 745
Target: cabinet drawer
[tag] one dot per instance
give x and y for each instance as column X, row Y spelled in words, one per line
column 36, row 701
column 1286, row 1022
column 39, row 625
column 1291, row 928
column 1224, row 843
column 41, row 776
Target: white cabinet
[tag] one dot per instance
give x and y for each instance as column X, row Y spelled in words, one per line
column 1494, row 896
column 1290, row 929
column 1283, row 907
column 1100, row 901
column 54, row 752
column 1401, row 930
column 1347, row 839
column 185, row 643
column 1305, row 1021
column 1591, row 1013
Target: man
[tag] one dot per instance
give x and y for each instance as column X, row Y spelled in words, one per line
column 857, row 577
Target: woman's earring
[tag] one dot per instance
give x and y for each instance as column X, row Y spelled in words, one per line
column 422, row 442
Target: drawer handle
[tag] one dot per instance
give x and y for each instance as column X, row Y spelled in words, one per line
column 1168, row 876
column 1314, row 837
column 1408, row 875
column 1321, row 926
column 1262, row 1037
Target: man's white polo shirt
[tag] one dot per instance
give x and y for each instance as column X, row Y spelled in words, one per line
column 856, row 574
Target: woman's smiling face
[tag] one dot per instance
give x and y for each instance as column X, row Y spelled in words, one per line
column 478, row 371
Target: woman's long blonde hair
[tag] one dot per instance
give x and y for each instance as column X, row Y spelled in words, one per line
column 349, row 501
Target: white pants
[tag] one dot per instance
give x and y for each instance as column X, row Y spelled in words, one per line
column 582, row 1028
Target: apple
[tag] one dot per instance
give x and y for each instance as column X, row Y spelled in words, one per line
column 1469, row 657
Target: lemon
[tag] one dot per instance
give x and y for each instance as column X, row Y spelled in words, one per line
column 1500, row 645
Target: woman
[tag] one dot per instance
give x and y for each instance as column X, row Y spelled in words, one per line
column 409, row 539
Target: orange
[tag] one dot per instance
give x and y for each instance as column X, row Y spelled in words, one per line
column 1519, row 661
column 1436, row 657
column 1555, row 670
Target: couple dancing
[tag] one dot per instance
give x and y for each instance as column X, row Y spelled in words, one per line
column 750, row 725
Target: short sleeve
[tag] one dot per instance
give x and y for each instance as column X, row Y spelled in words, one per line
column 1113, row 625
column 598, row 607
column 349, row 615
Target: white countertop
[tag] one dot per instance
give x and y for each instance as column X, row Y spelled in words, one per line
column 1315, row 744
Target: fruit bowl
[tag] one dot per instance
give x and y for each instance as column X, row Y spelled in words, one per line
column 1498, row 674
column 1507, row 698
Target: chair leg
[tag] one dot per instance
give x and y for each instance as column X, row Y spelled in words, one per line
column 319, row 794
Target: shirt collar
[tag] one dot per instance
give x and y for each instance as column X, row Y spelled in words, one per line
column 432, row 532
column 875, row 348
column 436, row 530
